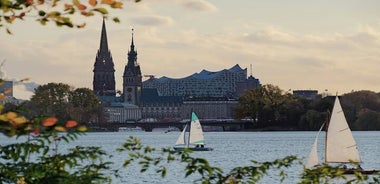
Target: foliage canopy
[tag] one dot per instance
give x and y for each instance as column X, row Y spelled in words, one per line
column 65, row 102
column 57, row 11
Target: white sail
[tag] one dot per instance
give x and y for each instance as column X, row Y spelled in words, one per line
column 181, row 138
column 313, row 159
column 196, row 133
column 340, row 144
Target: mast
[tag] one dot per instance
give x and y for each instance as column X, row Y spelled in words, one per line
column 188, row 140
column 326, row 129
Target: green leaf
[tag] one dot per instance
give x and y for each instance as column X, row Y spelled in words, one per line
column 115, row 19
column 41, row 13
column 101, row 10
column 163, row 172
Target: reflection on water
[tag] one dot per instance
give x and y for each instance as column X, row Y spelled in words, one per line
column 231, row 149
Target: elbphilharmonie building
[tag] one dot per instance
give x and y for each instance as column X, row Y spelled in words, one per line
column 224, row 83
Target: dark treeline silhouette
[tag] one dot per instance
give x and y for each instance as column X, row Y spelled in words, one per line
column 274, row 109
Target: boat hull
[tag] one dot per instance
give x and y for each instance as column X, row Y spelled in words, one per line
column 365, row 172
column 193, row 148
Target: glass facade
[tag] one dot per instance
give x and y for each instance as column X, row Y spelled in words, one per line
column 203, row 84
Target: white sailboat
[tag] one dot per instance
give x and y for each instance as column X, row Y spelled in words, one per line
column 195, row 139
column 340, row 145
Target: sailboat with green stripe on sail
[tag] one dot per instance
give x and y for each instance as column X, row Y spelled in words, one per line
column 193, row 139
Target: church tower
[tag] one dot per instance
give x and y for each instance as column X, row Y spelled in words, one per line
column 132, row 78
column 104, row 72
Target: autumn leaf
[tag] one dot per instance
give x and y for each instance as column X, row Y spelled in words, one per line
column 87, row 14
column 68, row 7
column 60, row 129
column 71, row 124
column 82, row 7
column 21, row 15
column 82, row 128
column 35, row 131
column 117, row 5
column 49, row 121
column 9, row 31
column 8, row 90
column 92, row 2
column 11, row 115
column 54, row 14
column 9, row 19
column 21, row 180
column 109, row 2
column 81, row 25
column 19, row 120
column 56, row 138
column 76, row 3
column 55, row 3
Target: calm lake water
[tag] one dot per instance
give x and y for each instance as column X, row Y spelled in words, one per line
column 231, row 149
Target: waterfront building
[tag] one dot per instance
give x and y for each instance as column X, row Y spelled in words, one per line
column 6, row 88
column 247, row 84
column 306, row 94
column 209, row 108
column 122, row 112
column 204, row 84
column 154, row 106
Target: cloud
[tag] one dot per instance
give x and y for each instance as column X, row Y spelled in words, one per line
column 270, row 35
column 281, row 57
column 152, row 20
column 199, row 5
column 338, row 62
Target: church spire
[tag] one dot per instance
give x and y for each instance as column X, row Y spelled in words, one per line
column 132, row 44
column 104, row 71
column 103, row 38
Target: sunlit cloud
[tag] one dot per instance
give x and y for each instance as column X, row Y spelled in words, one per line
column 152, row 20
column 199, row 5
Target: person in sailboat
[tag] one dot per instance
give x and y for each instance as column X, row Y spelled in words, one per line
column 199, row 145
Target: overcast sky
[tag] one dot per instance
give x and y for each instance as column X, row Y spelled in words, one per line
column 294, row 44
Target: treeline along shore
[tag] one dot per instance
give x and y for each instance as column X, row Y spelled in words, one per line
column 279, row 111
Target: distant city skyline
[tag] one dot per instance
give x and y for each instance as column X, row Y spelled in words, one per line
column 296, row 44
